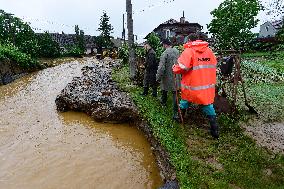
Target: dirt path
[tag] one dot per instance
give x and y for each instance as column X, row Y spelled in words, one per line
column 269, row 135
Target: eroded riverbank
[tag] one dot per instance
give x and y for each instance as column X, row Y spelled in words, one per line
column 96, row 94
column 40, row 147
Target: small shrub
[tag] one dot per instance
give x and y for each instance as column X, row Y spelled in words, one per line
column 22, row 59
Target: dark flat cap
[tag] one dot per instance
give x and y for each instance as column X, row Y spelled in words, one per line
column 167, row 42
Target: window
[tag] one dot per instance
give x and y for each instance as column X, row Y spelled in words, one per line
column 267, row 28
column 168, row 33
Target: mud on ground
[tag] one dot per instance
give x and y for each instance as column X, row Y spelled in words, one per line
column 267, row 135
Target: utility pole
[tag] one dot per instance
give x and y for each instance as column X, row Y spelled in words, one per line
column 130, row 39
column 123, row 30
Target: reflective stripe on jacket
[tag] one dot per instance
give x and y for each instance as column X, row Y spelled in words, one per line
column 197, row 64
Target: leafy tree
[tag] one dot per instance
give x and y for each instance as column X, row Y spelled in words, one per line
column 281, row 33
column 155, row 43
column 99, row 41
column 280, row 37
column 104, row 40
column 48, row 47
column 274, row 8
column 14, row 31
column 154, row 40
column 232, row 23
column 82, row 43
column 123, row 52
column 77, row 30
column 80, row 39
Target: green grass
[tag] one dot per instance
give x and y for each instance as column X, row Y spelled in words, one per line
column 272, row 59
column 233, row 161
column 264, row 76
column 268, row 100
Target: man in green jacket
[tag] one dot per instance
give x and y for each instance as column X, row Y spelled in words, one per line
column 166, row 77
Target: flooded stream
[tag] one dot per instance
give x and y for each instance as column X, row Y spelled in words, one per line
column 41, row 148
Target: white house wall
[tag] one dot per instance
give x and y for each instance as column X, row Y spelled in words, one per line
column 267, row 30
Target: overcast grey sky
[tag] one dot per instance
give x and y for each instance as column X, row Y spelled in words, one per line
column 62, row 15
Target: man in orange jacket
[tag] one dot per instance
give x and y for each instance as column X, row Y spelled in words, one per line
column 197, row 64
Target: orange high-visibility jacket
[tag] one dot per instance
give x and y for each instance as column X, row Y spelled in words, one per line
column 197, row 64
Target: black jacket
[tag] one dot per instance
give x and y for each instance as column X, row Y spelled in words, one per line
column 151, row 67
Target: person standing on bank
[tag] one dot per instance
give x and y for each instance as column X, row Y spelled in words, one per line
column 151, row 67
column 166, row 77
column 197, row 64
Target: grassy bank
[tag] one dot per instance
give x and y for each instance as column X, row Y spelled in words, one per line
column 234, row 161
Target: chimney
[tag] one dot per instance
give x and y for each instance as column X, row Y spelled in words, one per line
column 182, row 19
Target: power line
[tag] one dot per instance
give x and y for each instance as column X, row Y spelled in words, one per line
column 53, row 23
column 152, row 6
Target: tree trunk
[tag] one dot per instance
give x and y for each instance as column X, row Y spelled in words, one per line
column 132, row 65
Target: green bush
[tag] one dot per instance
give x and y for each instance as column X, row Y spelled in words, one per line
column 22, row 59
column 140, row 52
column 74, row 51
column 80, row 40
column 30, row 47
column 48, row 47
column 123, row 53
column 255, row 72
column 279, row 47
column 180, row 48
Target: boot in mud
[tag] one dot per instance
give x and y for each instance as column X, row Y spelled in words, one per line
column 214, row 130
column 177, row 115
column 145, row 92
column 155, row 91
column 164, row 98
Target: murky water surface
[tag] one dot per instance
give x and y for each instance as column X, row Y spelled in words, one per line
column 41, row 148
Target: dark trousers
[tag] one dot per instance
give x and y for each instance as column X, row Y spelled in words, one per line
column 154, row 90
column 164, row 100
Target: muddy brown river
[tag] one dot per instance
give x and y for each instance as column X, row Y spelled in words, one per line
column 43, row 149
